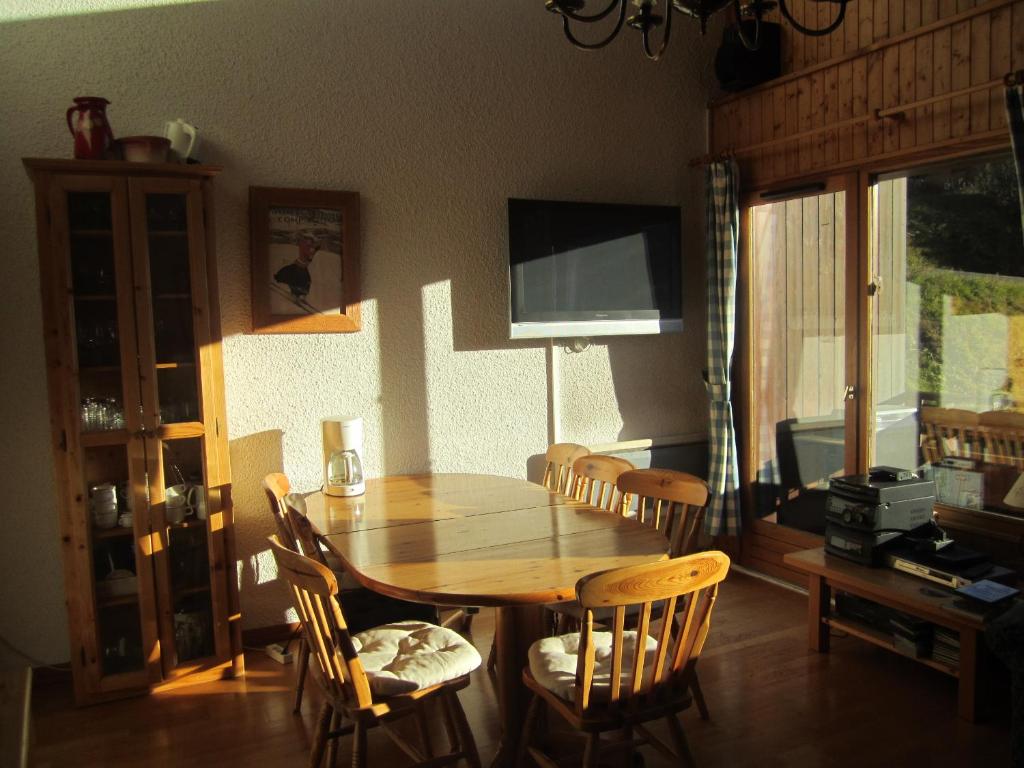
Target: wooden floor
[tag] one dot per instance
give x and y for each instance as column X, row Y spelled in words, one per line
column 773, row 703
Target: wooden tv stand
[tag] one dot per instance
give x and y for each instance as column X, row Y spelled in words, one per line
column 895, row 590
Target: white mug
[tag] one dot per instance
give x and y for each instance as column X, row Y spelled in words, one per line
column 184, row 138
column 178, row 500
column 200, row 501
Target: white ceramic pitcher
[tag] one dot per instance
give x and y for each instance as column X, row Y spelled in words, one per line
column 184, row 138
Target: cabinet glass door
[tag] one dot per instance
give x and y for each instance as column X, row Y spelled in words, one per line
column 178, row 416
column 103, row 437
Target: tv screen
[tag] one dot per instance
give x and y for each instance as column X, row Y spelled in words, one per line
column 593, row 269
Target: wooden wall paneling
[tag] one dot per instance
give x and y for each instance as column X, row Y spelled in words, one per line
column 929, row 12
column 907, row 76
column 860, row 107
column 818, row 117
column 805, row 121
column 912, row 16
column 882, row 18
column 896, row 8
column 1017, row 36
column 981, row 29
column 825, row 14
column 849, row 30
column 754, row 133
column 960, row 78
column 876, row 99
column 891, row 95
column 865, row 27
column 1001, row 63
column 946, row 8
column 844, row 110
column 923, row 69
column 941, row 83
column 831, row 101
column 792, row 127
column 779, row 151
column 964, row 5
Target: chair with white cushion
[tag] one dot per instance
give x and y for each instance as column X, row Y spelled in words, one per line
column 601, row 682
column 381, row 675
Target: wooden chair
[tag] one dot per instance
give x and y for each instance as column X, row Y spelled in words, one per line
column 949, row 432
column 1002, row 433
column 364, row 701
column 277, row 487
column 619, row 683
column 674, row 503
column 595, row 478
column 560, row 457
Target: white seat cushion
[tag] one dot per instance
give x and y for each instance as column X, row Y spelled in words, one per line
column 409, row 655
column 553, row 662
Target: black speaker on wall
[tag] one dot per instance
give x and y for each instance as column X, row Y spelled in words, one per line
column 738, row 68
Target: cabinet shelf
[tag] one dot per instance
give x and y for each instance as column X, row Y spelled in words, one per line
column 94, row 296
column 189, row 522
column 168, row 233
column 105, row 438
column 91, row 232
column 117, row 532
column 111, row 602
column 99, row 368
column 172, row 296
column 172, row 366
column 192, row 591
column 883, row 640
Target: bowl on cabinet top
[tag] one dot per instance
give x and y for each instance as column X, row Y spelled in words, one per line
column 144, row 149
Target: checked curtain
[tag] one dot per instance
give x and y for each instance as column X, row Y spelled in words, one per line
column 722, row 242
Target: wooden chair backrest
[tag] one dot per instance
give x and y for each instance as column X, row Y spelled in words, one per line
column 949, row 432
column 595, row 480
column 685, row 589
column 306, row 539
column 673, row 502
column 337, row 668
column 1003, row 435
column 277, row 486
column 558, row 475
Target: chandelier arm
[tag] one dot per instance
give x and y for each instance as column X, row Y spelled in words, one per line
column 600, row 43
column 750, row 46
column 567, row 13
column 814, row 32
column 664, row 39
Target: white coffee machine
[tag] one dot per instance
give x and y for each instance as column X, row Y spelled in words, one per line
column 343, row 456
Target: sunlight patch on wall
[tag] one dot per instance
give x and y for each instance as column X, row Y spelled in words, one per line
column 24, row 10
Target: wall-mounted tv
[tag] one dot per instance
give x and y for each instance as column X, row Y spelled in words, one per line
column 593, row 269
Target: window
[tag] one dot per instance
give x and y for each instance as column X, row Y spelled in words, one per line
column 919, row 366
column 947, row 329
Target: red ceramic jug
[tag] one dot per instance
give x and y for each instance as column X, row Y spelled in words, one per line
column 87, row 121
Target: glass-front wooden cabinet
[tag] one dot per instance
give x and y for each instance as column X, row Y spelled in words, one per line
column 139, row 435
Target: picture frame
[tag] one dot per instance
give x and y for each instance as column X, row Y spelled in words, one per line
column 305, row 260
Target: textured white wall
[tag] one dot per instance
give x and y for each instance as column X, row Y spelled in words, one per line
column 435, row 113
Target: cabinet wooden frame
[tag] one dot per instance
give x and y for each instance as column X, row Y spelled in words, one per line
column 306, row 318
column 127, row 185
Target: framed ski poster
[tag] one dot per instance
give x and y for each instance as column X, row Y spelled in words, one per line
column 305, row 260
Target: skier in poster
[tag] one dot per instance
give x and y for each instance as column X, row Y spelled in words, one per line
column 296, row 275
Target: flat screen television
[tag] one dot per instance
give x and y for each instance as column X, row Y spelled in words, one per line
column 593, row 269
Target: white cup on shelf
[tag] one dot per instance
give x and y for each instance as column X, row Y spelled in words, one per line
column 178, row 501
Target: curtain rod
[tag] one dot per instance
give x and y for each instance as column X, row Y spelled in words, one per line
column 899, row 112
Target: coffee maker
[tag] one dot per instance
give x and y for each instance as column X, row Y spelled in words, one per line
column 343, row 456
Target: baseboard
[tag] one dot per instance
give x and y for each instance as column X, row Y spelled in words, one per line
column 770, row 579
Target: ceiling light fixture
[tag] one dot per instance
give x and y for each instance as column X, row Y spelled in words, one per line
column 647, row 19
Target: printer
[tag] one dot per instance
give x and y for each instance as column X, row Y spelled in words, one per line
column 865, row 512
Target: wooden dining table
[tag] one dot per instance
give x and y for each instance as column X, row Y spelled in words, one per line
column 480, row 540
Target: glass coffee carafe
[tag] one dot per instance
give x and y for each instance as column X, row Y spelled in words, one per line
column 343, row 457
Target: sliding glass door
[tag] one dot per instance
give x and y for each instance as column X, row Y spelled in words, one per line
column 801, row 415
